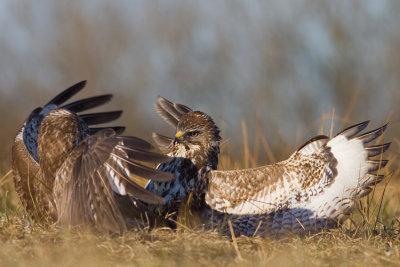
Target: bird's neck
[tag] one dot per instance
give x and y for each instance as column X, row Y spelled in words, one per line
column 202, row 157
column 193, row 167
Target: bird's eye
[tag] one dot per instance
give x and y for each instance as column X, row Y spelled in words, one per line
column 193, row 133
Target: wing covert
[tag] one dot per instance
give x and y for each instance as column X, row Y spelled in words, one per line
column 264, row 189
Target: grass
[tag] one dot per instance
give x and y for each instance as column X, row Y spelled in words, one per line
column 369, row 237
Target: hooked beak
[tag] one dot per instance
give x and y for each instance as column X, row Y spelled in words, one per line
column 177, row 139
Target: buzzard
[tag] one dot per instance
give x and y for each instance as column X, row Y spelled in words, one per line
column 67, row 171
column 313, row 189
column 194, row 150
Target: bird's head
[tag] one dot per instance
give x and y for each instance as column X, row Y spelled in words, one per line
column 196, row 131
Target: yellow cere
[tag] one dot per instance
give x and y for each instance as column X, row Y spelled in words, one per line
column 178, row 134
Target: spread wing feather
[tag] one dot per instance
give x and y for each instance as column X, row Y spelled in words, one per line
column 131, row 141
column 28, row 179
column 93, row 184
column 117, row 129
column 377, row 150
column 372, row 135
column 170, row 112
column 341, row 165
column 87, row 103
column 142, row 155
column 352, row 131
column 67, row 94
column 93, row 178
column 101, row 117
column 163, row 142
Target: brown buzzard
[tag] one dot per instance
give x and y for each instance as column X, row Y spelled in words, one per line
column 69, row 172
column 194, row 150
column 313, row 189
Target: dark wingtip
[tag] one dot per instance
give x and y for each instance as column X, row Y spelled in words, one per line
column 67, row 93
column 83, row 83
column 353, row 130
column 119, row 129
column 88, row 103
column 376, row 165
column 135, row 142
column 101, row 117
column 377, row 150
column 372, row 135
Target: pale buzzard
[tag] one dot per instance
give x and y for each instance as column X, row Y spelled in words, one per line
column 313, row 189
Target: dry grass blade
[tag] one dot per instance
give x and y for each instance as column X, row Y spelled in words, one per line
column 4, row 179
column 350, row 106
column 388, row 178
column 234, row 241
column 245, row 145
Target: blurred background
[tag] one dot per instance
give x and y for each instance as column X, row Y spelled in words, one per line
column 274, row 72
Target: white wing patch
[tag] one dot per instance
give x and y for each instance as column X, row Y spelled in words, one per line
column 339, row 172
column 115, row 183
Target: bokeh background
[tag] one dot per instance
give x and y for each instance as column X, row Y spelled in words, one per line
column 276, row 69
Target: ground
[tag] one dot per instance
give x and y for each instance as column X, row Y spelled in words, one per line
column 369, row 237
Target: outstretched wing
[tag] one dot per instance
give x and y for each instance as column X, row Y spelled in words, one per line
column 91, row 182
column 31, row 127
column 171, row 113
column 310, row 170
column 25, row 160
column 261, row 190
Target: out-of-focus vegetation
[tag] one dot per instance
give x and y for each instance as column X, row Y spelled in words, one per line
column 287, row 62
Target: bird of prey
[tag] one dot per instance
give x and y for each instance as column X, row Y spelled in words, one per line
column 68, row 172
column 313, row 189
column 194, row 150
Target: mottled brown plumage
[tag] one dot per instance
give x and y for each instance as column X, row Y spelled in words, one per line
column 67, row 172
column 313, row 189
column 28, row 183
column 195, row 150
